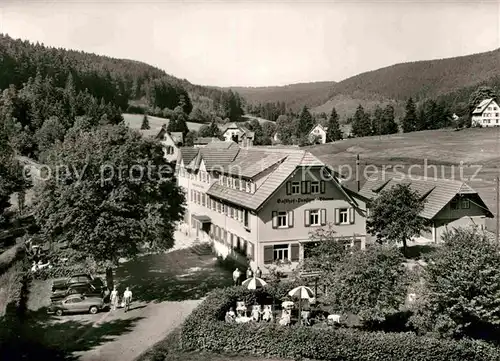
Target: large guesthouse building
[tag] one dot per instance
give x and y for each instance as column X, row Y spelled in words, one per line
column 266, row 202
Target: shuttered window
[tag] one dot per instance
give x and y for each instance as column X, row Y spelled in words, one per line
column 290, row 219
column 268, row 254
column 323, row 217
column 351, row 215
column 307, row 220
column 322, row 187
column 251, row 251
column 303, row 187
column 275, row 219
column 294, row 250
column 288, row 188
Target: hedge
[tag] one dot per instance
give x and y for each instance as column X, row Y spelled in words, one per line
column 204, row 330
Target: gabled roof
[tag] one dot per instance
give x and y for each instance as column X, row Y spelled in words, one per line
column 318, row 126
column 482, row 106
column 285, row 162
column 241, row 128
column 177, row 137
column 187, row 154
column 436, row 192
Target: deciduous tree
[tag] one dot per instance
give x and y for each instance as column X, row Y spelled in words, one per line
column 461, row 287
column 117, row 195
column 371, row 283
column 395, row 215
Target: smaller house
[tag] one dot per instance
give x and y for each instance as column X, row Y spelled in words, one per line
column 239, row 134
column 448, row 203
column 317, row 134
column 486, row 114
column 171, row 142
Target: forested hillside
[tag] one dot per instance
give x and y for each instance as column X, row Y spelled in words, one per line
column 294, row 96
column 118, row 81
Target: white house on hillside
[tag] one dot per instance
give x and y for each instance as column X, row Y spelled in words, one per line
column 318, row 134
column 238, row 134
column 486, row 114
column 171, row 142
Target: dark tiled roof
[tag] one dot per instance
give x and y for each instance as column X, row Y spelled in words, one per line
column 187, row 154
column 437, row 192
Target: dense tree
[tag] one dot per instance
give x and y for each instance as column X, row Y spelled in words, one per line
column 361, row 124
column 395, row 215
column 51, row 131
column 410, row 123
column 178, row 121
column 190, row 138
column 269, row 128
column 230, row 106
column 11, row 176
column 389, row 125
column 211, row 130
column 333, row 132
column 461, row 288
column 117, row 196
column 377, row 121
column 306, row 123
column 269, row 111
column 286, row 128
column 360, row 288
column 145, row 122
column 259, row 137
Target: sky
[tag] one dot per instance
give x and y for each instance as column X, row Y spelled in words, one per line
column 257, row 43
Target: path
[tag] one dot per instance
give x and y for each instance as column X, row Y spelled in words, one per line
column 159, row 319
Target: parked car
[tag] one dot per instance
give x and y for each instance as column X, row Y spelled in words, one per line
column 94, row 289
column 78, row 279
column 77, row 303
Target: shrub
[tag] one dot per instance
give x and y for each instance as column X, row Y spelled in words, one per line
column 203, row 331
column 462, row 284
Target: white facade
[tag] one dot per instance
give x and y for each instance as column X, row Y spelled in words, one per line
column 486, row 114
column 318, row 133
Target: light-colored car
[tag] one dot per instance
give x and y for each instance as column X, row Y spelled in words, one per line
column 78, row 303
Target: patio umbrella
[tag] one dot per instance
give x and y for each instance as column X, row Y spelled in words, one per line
column 254, row 283
column 301, row 292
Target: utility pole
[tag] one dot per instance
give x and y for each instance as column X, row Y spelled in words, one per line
column 357, row 172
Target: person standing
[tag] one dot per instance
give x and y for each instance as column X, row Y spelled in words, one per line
column 249, row 272
column 258, row 273
column 127, row 297
column 236, row 276
column 114, row 299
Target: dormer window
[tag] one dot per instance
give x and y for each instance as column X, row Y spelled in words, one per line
column 248, row 187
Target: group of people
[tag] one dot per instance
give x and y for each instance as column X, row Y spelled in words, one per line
column 258, row 313
column 237, row 275
column 126, row 299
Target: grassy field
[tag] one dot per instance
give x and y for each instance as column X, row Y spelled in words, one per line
column 478, row 150
column 134, row 121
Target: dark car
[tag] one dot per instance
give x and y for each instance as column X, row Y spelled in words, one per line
column 93, row 289
column 78, row 279
column 77, row 303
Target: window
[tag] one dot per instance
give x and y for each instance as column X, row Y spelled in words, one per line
column 228, row 181
column 243, row 185
column 295, row 187
column 454, row 204
column 314, row 217
column 343, row 216
column 236, row 183
column 248, row 187
column 465, row 203
column 245, row 215
column 282, row 219
column 280, row 252
column 314, row 187
column 203, row 199
column 170, row 149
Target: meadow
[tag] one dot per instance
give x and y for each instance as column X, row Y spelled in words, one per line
column 475, row 153
column 134, row 121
